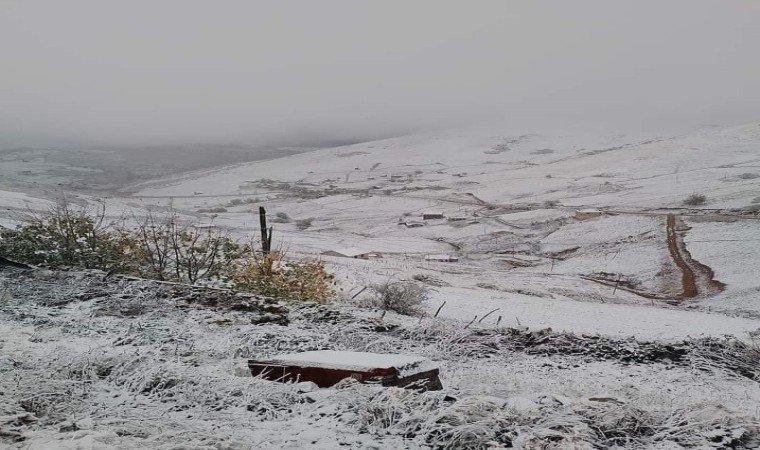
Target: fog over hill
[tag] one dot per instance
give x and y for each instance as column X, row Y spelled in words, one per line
column 144, row 73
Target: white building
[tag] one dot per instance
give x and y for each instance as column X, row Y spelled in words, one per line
column 352, row 252
column 442, row 258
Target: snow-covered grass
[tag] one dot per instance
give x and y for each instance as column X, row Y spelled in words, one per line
column 163, row 375
column 731, row 250
column 73, row 378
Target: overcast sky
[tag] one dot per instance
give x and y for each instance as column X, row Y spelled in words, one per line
column 158, row 71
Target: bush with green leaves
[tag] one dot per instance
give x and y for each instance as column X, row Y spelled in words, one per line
column 66, row 236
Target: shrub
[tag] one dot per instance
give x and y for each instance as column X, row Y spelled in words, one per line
column 272, row 276
column 749, row 176
column 160, row 248
column 163, row 248
column 303, row 224
column 403, row 297
column 65, row 236
column 281, row 217
column 695, row 200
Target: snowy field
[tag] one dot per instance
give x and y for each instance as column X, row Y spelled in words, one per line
column 566, row 232
column 98, row 374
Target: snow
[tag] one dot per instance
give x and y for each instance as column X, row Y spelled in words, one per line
column 359, row 361
column 518, row 193
column 642, row 321
column 167, row 379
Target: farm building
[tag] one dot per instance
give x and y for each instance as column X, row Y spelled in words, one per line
column 352, row 252
column 432, row 215
column 442, row 258
column 413, row 224
column 584, row 214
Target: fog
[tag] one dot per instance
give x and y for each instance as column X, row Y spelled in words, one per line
column 143, row 72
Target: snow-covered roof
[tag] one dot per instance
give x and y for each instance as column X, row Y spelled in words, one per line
column 350, row 251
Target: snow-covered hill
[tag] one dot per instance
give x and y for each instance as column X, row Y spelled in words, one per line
column 586, row 234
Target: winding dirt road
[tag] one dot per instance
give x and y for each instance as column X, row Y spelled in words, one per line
column 697, row 279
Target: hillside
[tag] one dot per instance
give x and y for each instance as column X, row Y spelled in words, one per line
column 575, row 301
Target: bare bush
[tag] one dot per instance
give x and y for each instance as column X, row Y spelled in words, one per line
column 164, row 248
column 281, row 217
column 695, row 200
column 403, row 297
column 303, row 224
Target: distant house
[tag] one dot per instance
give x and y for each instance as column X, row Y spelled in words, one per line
column 432, row 216
column 442, row 258
column 205, row 226
column 584, row 214
column 457, row 218
column 352, row 252
column 413, row 224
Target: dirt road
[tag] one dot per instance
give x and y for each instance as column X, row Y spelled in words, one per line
column 697, row 279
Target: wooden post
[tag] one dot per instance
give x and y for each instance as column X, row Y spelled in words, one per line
column 266, row 233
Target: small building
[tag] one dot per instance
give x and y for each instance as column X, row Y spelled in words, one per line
column 457, row 218
column 352, row 252
column 205, row 226
column 432, row 216
column 584, row 214
column 413, row 223
column 442, row 258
